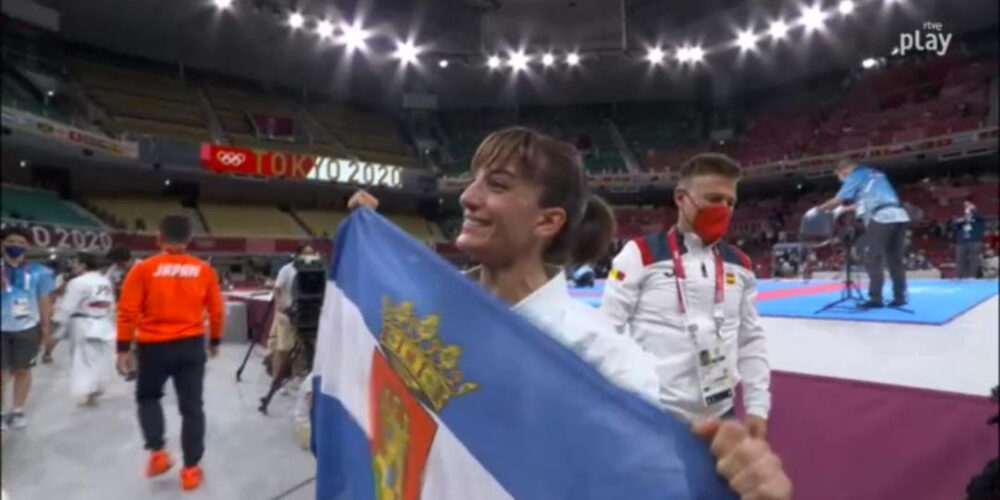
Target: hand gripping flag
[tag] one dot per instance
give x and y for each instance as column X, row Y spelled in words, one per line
column 428, row 388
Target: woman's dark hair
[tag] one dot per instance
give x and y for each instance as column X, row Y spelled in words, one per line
column 556, row 167
column 119, row 255
column 90, row 261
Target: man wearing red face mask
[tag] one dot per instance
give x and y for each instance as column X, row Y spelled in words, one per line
column 688, row 298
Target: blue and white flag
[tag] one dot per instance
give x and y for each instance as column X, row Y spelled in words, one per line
column 430, row 389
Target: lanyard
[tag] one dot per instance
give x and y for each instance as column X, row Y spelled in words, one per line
column 7, row 281
column 680, row 278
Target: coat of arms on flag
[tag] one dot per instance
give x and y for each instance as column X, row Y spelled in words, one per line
column 414, row 369
column 429, row 389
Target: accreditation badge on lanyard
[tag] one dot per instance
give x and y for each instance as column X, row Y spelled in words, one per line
column 714, row 374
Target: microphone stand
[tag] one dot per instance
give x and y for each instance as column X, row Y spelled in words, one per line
column 851, row 292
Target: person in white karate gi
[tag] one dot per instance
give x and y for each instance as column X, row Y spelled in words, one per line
column 86, row 317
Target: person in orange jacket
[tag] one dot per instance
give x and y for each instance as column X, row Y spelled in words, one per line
column 162, row 309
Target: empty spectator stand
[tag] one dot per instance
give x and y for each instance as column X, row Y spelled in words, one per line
column 237, row 106
column 130, row 210
column 372, row 136
column 43, row 206
column 244, row 219
column 143, row 101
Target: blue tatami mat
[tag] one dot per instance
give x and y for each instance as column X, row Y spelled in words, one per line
column 933, row 302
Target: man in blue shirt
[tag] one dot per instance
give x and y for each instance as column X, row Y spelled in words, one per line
column 969, row 229
column 885, row 221
column 27, row 310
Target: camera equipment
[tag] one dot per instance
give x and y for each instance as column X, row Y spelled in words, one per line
column 308, row 289
column 823, row 226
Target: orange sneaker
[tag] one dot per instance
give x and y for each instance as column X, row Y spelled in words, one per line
column 190, row 478
column 158, row 463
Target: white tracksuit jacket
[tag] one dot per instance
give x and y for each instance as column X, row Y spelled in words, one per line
column 641, row 300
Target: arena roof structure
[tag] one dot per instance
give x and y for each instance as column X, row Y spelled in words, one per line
column 542, row 51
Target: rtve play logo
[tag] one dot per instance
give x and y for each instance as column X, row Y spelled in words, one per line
column 931, row 39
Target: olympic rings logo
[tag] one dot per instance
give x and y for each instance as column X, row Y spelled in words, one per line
column 230, row 158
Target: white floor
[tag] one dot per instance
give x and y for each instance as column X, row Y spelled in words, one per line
column 69, row 453
column 961, row 356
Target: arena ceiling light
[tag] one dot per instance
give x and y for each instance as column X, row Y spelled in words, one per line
column 518, row 61
column 655, row 55
column 406, row 52
column 296, row 20
column 691, row 54
column 548, row 59
column 493, row 62
column 869, row 63
column 324, row 29
column 813, row 18
column 696, row 54
column 443, row 63
column 779, row 30
column 223, row 4
column 746, row 40
column 846, row 7
column 572, row 59
column 354, row 37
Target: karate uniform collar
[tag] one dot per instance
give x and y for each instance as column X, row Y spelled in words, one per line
column 554, row 290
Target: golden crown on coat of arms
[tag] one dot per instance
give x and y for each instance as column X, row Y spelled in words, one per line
column 428, row 366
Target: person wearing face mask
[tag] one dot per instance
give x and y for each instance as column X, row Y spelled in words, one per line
column 885, row 222
column 688, row 298
column 527, row 214
column 27, row 310
column 969, row 229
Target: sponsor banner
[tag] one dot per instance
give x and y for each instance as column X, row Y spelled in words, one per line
column 79, row 239
column 100, row 240
column 288, row 165
column 27, row 122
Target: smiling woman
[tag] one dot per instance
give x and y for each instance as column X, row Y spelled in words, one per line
column 527, row 213
column 529, row 201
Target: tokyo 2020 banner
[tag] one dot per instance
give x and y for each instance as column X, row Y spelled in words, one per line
column 288, row 165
